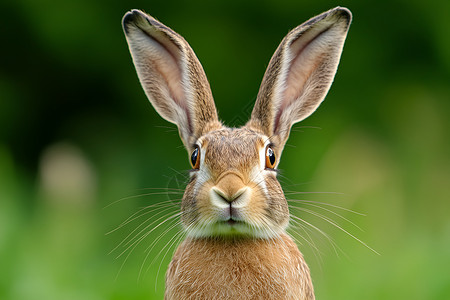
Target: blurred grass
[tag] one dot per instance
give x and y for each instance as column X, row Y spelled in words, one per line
column 77, row 134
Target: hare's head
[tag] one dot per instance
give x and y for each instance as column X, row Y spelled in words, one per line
column 233, row 189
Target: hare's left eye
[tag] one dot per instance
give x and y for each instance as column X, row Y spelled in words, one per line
column 270, row 157
column 195, row 158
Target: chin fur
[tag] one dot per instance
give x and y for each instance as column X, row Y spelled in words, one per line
column 239, row 230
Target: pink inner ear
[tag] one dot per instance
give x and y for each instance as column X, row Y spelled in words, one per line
column 307, row 54
column 167, row 61
column 171, row 75
column 165, row 58
column 304, row 56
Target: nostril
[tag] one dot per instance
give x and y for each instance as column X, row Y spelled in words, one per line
column 239, row 193
column 227, row 197
column 231, row 222
column 222, row 195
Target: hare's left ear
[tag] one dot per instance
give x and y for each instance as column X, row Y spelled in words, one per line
column 300, row 74
column 171, row 75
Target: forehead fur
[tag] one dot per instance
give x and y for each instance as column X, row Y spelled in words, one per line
column 233, row 149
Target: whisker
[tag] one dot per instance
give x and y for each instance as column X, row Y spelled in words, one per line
column 150, row 248
column 295, row 128
column 152, row 245
column 137, row 243
column 183, row 174
column 316, row 251
column 140, row 195
column 330, row 211
column 327, row 204
column 168, row 128
column 171, row 189
column 138, row 240
column 296, row 219
column 310, row 242
column 339, row 227
column 142, row 224
column 176, row 238
column 168, row 203
column 302, row 193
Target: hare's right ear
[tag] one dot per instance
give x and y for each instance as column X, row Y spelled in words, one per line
column 171, row 75
column 300, row 74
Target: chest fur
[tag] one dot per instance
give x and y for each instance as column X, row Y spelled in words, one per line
column 245, row 269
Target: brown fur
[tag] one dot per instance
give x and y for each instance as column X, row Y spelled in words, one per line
column 238, row 269
column 234, row 152
column 233, row 209
column 164, row 81
column 276, row 110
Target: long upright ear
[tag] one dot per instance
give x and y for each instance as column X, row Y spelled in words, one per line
column 300, row 74
column 171, row 75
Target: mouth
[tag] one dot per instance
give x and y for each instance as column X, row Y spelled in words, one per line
column 229, row 228
column 231, row 222
column 232, row 228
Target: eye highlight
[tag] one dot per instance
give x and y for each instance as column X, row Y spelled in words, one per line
column 270, row 157
column 195, row 158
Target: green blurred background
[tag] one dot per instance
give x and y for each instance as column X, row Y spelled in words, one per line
column 80, row 145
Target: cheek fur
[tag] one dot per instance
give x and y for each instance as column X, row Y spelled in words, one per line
column 266, row 211
column 196, row 205
column 257, row 206
column 276, row 201
column 203, row 203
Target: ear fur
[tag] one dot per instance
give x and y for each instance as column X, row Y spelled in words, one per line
column 300, row 74
column 171, row 75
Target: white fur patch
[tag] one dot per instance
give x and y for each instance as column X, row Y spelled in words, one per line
column 203, row 173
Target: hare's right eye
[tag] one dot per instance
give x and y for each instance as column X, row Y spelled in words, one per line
column 270, row 157
column 195, row 158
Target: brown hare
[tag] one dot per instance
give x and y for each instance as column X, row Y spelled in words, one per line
column 234, row 211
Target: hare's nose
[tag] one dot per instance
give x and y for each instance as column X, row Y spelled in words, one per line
column 230, row 187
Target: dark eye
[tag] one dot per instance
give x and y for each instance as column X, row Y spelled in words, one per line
column 195, row 158
column 270, row 157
